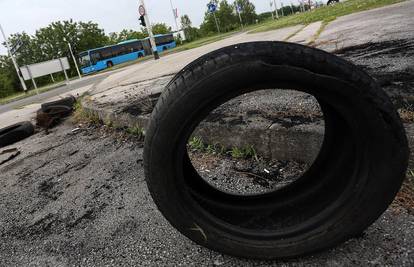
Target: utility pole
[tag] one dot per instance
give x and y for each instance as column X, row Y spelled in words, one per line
column 73, row 57
column 217, row 25
column 175, row 14
column 277, row 13
column 143, row 12
column 271, row 9
column 281, row 3
column 238, row 12
column 13, row 59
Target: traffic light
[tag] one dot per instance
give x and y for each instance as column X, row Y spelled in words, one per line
column 142, row 19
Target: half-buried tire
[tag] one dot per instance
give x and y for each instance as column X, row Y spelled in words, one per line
column 355, row 177
column 66, row 101
column 16, row 132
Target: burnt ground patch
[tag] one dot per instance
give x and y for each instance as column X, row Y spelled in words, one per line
column 80, row 199
column 392, row 64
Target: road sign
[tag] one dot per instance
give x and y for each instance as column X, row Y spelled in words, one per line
column 141, row 10
column 212, row 7
column 17, row 46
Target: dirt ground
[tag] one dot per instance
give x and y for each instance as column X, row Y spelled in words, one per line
column 80, row 199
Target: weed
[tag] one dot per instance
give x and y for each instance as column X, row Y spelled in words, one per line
column 136, row 130
column 196, row 143
column 243, row 152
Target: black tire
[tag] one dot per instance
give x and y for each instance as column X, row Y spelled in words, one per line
column 109, row 64
column 60, row 111
column 15, row 133
column 355, row 177
column 52, row 115
column 67, row 101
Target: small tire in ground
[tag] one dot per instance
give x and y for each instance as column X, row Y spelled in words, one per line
column 66, row 101
column 15, row 133
column 51, row 116
column 358, row 171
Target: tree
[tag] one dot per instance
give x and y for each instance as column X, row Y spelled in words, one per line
column 9, row 82
column 227, row 17
column 247, row 11
column 158, row 28
column 191, row 33
column 125, row 35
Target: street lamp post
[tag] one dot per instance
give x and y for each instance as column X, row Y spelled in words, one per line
column 13, row 59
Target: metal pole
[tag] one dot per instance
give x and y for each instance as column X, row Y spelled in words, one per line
column 281, row 3
column 33, row 80
column 53, row 79
column 74, row 61
column 151, row 35
column 13, row 59
column 218, row 28
column 271, row 7
column 64, row 71
column 175, row 20
column 291, row 8
column 175, row 17
column 277, row 13
column 238, row 12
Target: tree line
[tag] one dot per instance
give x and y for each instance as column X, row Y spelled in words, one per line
column 51, row 42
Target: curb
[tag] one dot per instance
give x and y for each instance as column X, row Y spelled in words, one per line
column 301, row 142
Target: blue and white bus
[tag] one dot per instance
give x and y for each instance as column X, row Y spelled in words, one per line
column 105, row 57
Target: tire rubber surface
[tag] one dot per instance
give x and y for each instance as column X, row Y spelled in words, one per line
column 15, row 133
column 358, row 171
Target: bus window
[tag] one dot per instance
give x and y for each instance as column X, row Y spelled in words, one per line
column 95, row 57
column 106, row 53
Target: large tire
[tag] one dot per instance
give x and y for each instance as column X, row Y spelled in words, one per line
column 15, row 133
column 67, row 101
column 355, row 177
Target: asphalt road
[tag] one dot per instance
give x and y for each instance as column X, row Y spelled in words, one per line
column 80, row 199
column 54, row 92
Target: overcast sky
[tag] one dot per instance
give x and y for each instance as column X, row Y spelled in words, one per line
column 112, row 16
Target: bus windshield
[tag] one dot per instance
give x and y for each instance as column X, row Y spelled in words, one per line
column 84, row 59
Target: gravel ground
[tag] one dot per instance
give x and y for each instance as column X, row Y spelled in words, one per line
column 80, row 199
column 245, row 176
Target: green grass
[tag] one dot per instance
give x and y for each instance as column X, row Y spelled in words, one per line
column 325, row 14
column 197, row 144
column 32, row 92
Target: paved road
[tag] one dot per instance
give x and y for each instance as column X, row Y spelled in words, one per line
column 52, row 93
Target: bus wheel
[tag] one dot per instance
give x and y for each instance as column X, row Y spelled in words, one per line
column 165, row 48
column 140, row 55
column 109, row 64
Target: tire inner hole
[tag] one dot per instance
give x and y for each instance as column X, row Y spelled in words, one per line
column 258, row 142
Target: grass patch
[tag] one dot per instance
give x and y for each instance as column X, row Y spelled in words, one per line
column 136, row 131
column 81, row 115
column 197, row 144
column 32, row 92
column 325, row 14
